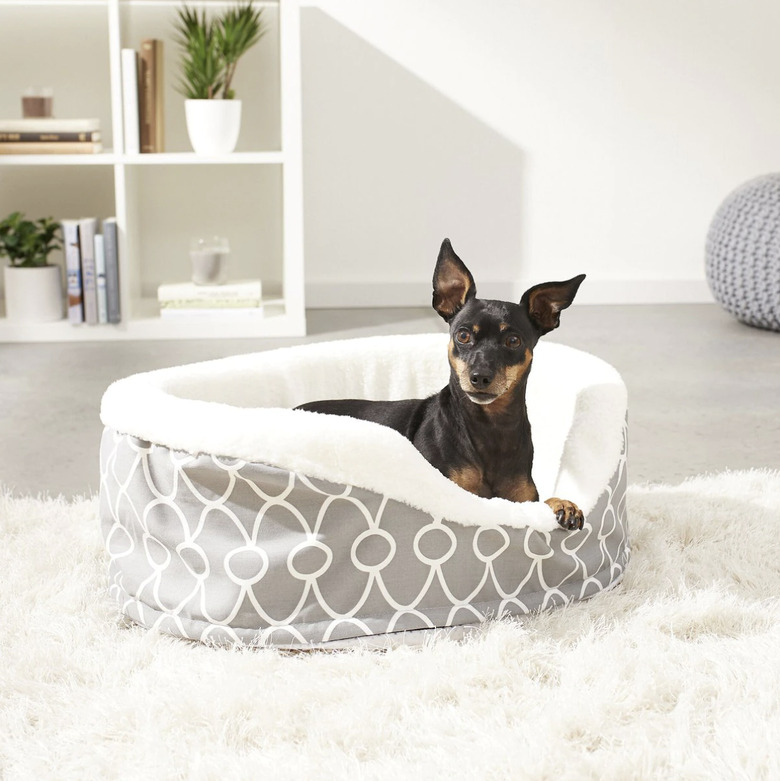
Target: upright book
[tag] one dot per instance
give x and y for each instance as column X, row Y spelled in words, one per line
column 111, row 251
column 87, row 230
column 151, row 89
column 130, row 101
column 100, row 274
column 72, row 249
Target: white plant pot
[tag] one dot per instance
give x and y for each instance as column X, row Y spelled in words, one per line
column 33, row 295
column 213, row 125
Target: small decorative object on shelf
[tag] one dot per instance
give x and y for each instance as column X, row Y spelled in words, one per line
column 233, row 299
column 50, row 136
column 33, row 286
column 37, row 102
column 209, row 258
column 211, row 49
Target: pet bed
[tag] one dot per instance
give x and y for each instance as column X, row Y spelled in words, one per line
column 230, row 517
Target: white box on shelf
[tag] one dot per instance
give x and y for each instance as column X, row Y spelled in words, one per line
column 187, row 295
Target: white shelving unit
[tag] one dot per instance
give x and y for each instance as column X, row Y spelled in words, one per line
column 255, row 193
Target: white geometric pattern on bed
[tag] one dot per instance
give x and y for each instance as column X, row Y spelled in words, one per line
column 228, row 551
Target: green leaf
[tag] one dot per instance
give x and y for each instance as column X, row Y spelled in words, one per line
column 202, row 72
column 28, row 242
column 211, row 48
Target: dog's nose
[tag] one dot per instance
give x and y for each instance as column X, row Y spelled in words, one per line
column 480, row 379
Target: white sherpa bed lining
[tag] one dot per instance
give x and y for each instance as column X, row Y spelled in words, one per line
column 241, row 407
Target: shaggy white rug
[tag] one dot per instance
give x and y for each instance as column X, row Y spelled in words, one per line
column 675, row 674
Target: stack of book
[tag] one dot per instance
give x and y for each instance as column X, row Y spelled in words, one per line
column 92, row 266
column 142, row 98
column 50, row 136
column 242, row 298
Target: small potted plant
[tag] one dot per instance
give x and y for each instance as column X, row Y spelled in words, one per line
column 33, row 286
column 210, row 51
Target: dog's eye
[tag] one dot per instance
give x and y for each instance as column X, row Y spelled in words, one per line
column 463, row 336
column 512, row 341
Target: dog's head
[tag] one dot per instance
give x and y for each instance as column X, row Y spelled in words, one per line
column 492, row 342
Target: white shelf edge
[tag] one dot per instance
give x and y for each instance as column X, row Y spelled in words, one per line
column 274, row 324
column 190, row 158
column 101, row 158
column 162, row 158
column 137, row 3
column 195, row 3
column 89, row 3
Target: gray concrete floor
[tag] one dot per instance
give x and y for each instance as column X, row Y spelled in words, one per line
column 704, row 390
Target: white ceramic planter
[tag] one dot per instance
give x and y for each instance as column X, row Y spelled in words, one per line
column 213, row 125
column 33, row 295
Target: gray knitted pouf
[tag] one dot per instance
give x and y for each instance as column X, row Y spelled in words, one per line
column 743, row 253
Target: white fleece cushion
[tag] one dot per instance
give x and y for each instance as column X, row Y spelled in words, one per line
column 241, row 407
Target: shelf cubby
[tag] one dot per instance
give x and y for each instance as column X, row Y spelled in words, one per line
column 253, row 196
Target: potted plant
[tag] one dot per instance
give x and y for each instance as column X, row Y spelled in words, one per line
column 33, row 286
column 211, row 49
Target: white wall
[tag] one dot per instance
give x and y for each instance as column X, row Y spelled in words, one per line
column 544, row 137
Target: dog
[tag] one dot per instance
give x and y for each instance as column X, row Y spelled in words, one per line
column 476, row 431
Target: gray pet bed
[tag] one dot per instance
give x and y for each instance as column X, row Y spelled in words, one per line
column 229, row 517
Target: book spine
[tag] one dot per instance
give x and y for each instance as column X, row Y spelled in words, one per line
column 50, row 125
column 212, row 303
column 159, row 94
column 100, row 274
column 151, row 87
column 254, row 312
column 70, row 235
column 58, row 137
column 111, row 252
column 206, row 293
column 50, row 147
column 130, row 101
column 87, row 229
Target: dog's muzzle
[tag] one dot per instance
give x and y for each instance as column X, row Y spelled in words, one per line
column 482, row 398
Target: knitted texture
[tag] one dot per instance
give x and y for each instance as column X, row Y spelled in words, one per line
column 743, row 253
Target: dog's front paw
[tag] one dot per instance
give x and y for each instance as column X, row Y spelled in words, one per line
column 568, row 515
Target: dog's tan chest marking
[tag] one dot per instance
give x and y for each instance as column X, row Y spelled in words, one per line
column 523, row 491
column 472, row 479
column 469, row 478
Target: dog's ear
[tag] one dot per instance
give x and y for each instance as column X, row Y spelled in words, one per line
column 453, row 284
column 544, row 302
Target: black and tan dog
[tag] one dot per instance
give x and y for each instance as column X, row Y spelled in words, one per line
column 476, row 429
